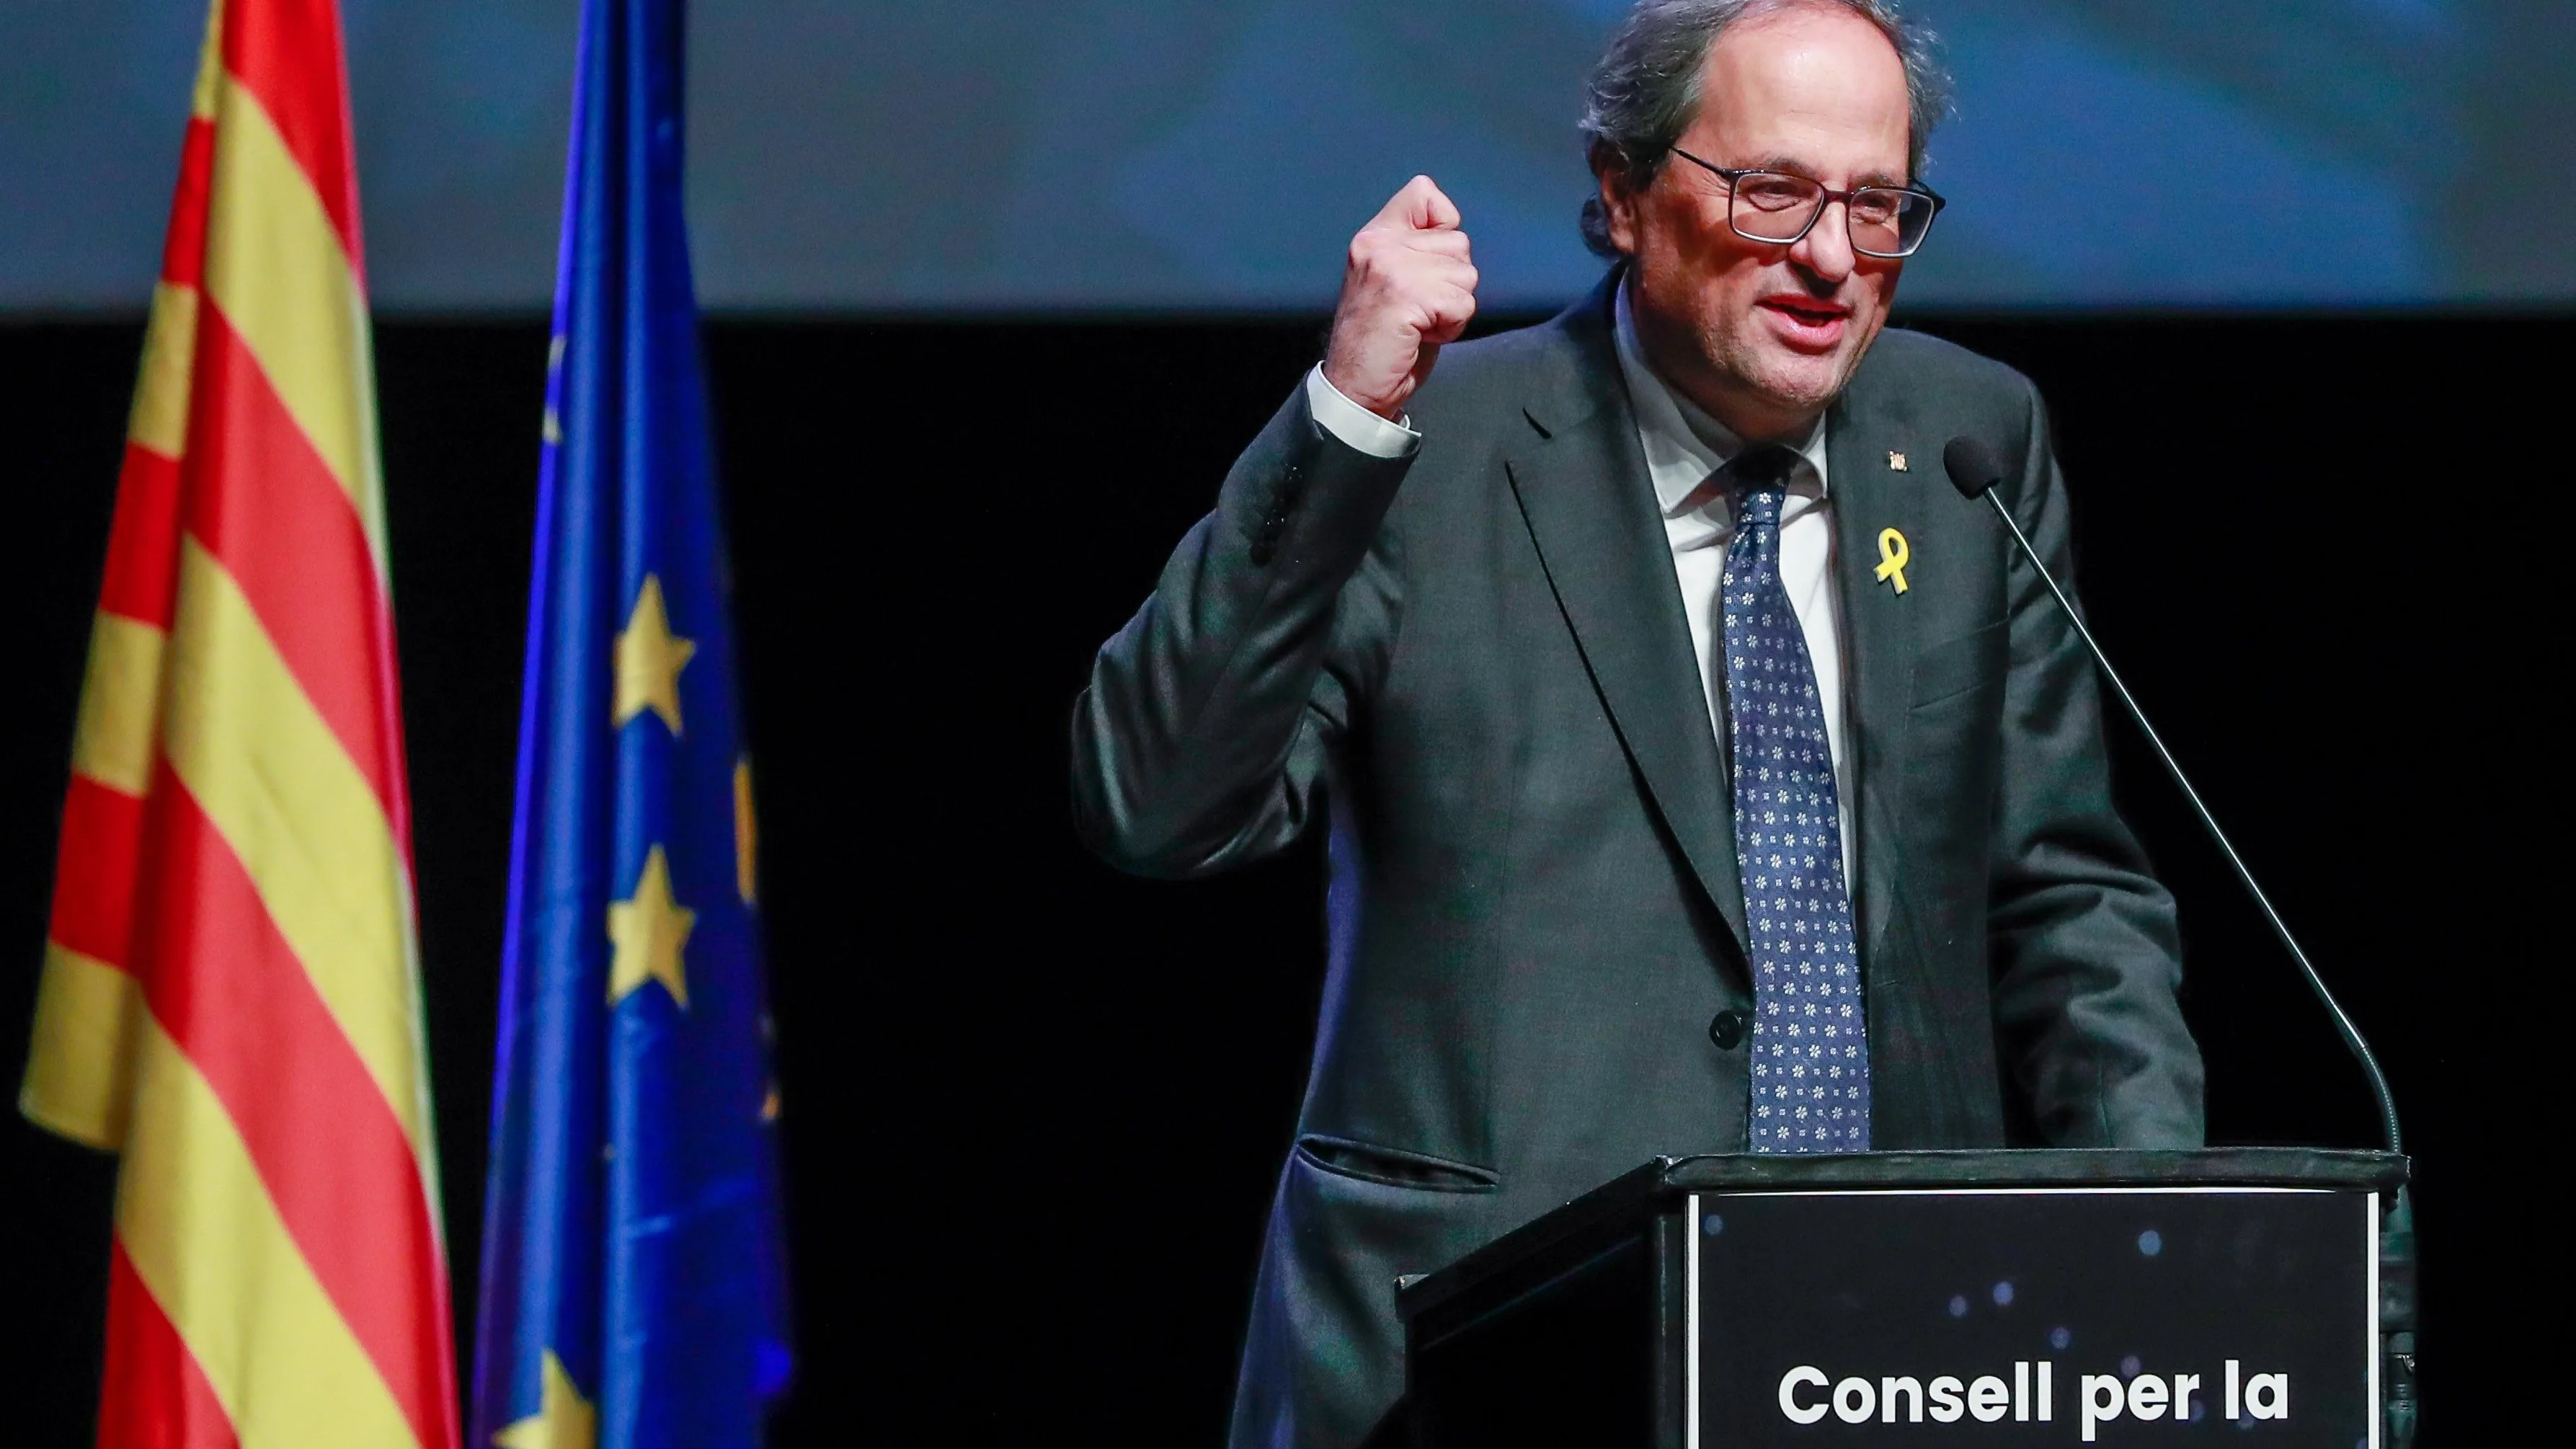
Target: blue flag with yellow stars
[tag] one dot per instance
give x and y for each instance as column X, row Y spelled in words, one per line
column 633, row 1286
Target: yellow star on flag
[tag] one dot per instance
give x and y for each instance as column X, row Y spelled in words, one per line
column 564, row 1419
column 650, row 932
column 746, row 835
column 649, row 659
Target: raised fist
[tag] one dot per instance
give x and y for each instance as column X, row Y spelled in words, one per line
column 1408, row 288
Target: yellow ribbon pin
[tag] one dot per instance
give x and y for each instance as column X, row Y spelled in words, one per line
column 1892, row 558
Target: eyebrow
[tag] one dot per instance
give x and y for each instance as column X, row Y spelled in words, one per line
column 1796, row 167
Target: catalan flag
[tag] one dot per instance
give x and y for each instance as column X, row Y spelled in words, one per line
column 231, row 994
column 632, row 1289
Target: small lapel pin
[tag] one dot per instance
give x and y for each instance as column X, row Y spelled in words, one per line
column 1895, row 461
column 1893, row 553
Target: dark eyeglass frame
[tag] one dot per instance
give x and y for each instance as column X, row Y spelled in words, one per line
column 1825, row 196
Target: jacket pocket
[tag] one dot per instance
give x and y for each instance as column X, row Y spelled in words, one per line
column 1956, row 665
column 1393, row 1167
column 1323, row 1357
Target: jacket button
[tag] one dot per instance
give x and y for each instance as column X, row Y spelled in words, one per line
column 1727, row 1028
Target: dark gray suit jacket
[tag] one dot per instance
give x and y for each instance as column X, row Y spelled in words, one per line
column 1476, row 663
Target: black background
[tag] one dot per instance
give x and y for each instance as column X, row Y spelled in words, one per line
column 1035, row 1109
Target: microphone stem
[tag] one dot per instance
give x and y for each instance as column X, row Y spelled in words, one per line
column 2351, row 1036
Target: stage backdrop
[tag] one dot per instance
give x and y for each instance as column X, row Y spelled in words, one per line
column 1216, row 154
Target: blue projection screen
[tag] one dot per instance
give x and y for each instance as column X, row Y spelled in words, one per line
column 1018, row 155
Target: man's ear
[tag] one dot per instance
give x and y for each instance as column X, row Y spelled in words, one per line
column 1618, row 203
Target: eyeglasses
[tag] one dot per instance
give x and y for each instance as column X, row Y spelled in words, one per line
column 1778, row 207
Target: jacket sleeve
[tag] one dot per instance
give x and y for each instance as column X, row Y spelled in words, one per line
column 2082, row 941
column 1202, row 736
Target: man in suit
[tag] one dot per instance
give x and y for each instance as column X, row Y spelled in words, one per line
column 1702, row 773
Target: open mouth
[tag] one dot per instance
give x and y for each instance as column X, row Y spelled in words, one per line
column 1806, row 320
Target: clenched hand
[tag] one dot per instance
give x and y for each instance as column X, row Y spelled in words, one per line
column 1408, row 288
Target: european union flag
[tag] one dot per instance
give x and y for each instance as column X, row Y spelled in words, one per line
column 633, row 1271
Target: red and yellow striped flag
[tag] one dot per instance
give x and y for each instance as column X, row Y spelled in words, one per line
column 231, row 990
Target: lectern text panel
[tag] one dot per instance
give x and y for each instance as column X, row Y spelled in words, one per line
column 2106, row 1316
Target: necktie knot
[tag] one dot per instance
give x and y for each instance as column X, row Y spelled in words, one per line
column 1760, row 478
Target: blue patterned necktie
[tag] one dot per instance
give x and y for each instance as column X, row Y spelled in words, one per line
column 1810, row 1065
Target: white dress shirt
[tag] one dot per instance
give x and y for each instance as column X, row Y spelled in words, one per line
column 1685, row 448
column 1356, row 425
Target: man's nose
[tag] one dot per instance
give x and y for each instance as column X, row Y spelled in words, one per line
column 1826, row 248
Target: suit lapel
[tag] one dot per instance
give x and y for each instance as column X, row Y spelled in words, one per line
column 1870, row 496
column 1580, row 478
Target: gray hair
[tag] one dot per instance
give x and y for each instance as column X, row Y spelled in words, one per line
column 1646, row 90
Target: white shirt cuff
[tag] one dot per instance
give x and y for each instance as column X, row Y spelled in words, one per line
column 1356, row 425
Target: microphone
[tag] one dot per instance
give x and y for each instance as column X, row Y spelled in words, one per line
column 1974, row 471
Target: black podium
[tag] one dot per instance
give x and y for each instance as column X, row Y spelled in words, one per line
column 2008, row 1298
